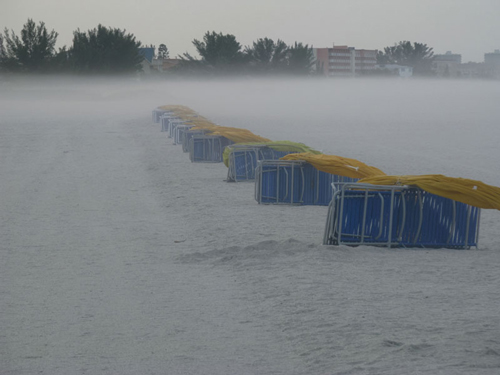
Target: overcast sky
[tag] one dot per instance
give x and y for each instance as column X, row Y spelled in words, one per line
column 468, row 27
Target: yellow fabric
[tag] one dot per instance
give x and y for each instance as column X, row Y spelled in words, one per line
column 238, row 135
column 292, row 146
column 472, row 192
column 183, row 112
column 278, row 146
column 337, row 165
column 200, row 123
column 234, row 134
column 177, row 109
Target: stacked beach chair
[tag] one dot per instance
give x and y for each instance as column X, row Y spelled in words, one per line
column 207, row 147
column 365, row 206
column 429, row 211
column 306, row 178
column 157, row 114
column 242, row 158
column 211, row 144
column 175, row 121
column 294, row 182
column 201, row 138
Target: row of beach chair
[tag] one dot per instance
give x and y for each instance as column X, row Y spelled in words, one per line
column 358, row 213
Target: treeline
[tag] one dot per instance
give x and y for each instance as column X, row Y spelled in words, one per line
column 417, row 55
column 222, row 54
column 100, row 50
column 106, row 50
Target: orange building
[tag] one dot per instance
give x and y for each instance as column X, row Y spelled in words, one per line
column 344, row 61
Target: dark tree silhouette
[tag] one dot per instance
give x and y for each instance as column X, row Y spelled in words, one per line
column 105, row 50
column 32, row 52
column 300, row 59
column 268, row 56
column 220, row 54
column 417, row 55
column 163, row 52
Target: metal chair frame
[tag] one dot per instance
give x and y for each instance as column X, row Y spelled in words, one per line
column 413, row 218
column 165, row 121
column 251, row 154
column 172, row 125
column 187, row 138
column 180, row 132
column 211, row 147
column 157, row 113
column 303, row 184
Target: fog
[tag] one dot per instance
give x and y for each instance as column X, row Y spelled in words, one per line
column 433, row 117
column 120, row 256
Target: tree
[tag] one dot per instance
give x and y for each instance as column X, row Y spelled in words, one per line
column 219, row 53
column 2, row 50
column 300, row 59
column 163, row 52
column 268, row 56
column 419, row 56
column 32, row 52
column 105, row 50
column 60, row 63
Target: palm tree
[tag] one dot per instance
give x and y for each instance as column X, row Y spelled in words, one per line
column 219, row 53
column 32, row 52
column 268, row 56
column 419, row 56
column 163, row 52
column 300, row 59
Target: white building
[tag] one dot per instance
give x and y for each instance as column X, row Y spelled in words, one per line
column 400, row 70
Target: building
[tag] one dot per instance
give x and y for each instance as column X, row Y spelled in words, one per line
column 447, row 65
column 492, row 59
column 395, row 69
column 162, row 65
column 148, row 54
column 472, row 70
column 344, row 61
column 152, row 64
column 449, row 57
column 492, row 64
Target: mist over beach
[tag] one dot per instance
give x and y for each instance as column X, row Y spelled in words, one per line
column 120, row 256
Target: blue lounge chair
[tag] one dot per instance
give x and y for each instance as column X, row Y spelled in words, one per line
column 399, row 216
column 243, row 160
column 294, row 182
column 207, row 148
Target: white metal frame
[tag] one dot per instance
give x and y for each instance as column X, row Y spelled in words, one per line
column 333, row 228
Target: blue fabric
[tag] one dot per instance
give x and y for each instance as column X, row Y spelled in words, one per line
column 437, row 226
column 244, row 162
column 208, row 148
column 297, row 183
column 148, row 53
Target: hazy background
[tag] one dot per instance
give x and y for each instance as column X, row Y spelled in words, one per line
column 452, row 125
column 467, row 27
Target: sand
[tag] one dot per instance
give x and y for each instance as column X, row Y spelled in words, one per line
column 120, row 256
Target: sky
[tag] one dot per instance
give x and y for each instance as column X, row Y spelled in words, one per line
column 468, row 27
